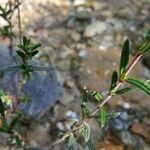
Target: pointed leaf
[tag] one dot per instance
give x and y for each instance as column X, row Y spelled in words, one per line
column 85, row 95
column 97, row 96
column 114, row 80
column 36, row 46
column 85, row 131
column 70, row 141
column 124, row 57
column 124, row 90
column 24, row 40
column 102, row 116
column 85, row 109
column 2, row 109
column 143, row 85
column 21, row 54
column 34, row 53
column 90, row 145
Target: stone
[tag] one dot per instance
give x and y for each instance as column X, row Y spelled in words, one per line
column 97, row 27
column 141, row 129
column 42, row 90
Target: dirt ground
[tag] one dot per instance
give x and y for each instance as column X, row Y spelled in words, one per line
column 82, row 40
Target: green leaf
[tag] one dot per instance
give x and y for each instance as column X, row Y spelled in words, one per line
column 24, row 40
column 70, row 141
column 2, row 9
column 124, row 90
column 36, row 46
column 21, row 54
column 143, row 85
column 14, row 122
column 90, row 145
column 97, row 96
column 147, row 35
column 18, row 141
column 85, row 109
column 85, row 131
column 114, row 80
column 85, row 95
column 2, row 109
column 144, row 46
column 34, row 53
column 124, row 57
column 102, row 116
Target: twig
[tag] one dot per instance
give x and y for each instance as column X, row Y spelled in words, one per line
column 19, row 21
column 105, row 100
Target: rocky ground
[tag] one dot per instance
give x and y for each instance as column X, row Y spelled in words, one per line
column 83, row 44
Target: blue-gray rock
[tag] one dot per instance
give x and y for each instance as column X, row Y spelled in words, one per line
column 43, row 89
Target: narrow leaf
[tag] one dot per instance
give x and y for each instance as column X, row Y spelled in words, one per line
column 2, row 109
column 97, row 96
column 36, row 46
column 102, row 116
column 124, row 90
column 90, row 145
column 70, row 141
column 24, row 40
column 21, row 54
column 124, row 57
column 85, row 131
column 34, row 53
column 85, row 109
column 143, row 85
column 114, row 80
column 85, row 95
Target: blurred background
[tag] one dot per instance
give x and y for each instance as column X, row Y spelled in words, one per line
column 82, row 40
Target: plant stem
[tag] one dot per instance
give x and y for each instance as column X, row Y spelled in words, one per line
column 128, row 70
column 105, row 100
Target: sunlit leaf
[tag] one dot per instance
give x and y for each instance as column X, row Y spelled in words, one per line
column 90, row 145
column 85, row 131
column 124, row 90
column 85, row 109
column 114, row 80
column 36, row 46
column 102, row 116
column 70, row 141
column 124, row 57
column 97, row 96
column 143, row 85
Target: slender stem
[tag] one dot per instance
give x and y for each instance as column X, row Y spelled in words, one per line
column 19, row 21
column 128, row 70
column 105, row 100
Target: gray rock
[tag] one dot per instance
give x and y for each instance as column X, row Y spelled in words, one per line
column 95, row 28
column 42, row 90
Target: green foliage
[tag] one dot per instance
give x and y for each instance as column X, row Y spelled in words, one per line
column 2, row 109
column 27, row 49
column 84, row 131
column 114, row 80
column 97, row 96
column 124, row 90
column 70, row 141
column 143, row 85
column 85, row 109
column 124, row 57
column 102, row 116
